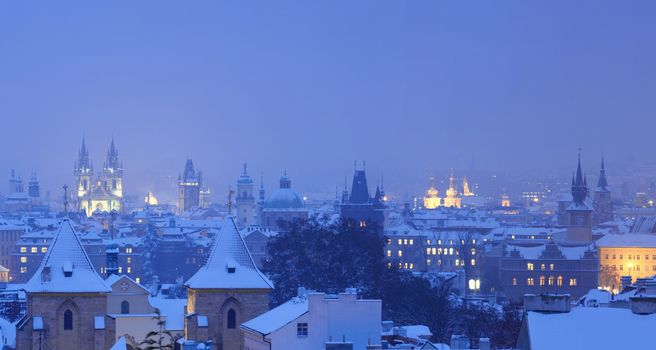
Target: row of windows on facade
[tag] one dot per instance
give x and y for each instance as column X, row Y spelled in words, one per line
column 632, row 257
column 632, row 267
column 429, row 262
column 531, row 267
column 10, row 237
column 549, row 281
column 410, row 241
column 45, row 249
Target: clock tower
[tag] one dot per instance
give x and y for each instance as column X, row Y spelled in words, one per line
column 579, row 225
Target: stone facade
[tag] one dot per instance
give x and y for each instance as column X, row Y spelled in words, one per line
column 217, row 305
column 56, row 334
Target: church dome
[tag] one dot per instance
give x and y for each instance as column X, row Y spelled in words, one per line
column 285, row 197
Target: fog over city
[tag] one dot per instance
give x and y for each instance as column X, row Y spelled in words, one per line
column 414, row 88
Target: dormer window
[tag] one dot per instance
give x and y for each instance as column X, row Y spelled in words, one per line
column 231, row 267
column 68, row 269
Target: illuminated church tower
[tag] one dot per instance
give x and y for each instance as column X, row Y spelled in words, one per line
column 104, row 194
column 83, row 172
column 451, row 199
column 465, row 188
column 431, row 199
column 579, row 228
column 602, row 199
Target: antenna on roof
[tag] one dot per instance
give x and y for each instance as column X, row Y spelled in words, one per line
column 230, row 193
column 65, row 187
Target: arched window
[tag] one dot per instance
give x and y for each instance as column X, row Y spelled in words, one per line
column 232, row 319
column 68, row 319
column 125, row 307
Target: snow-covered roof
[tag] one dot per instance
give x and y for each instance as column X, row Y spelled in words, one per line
column 7, row 334
column 229, row 264
column 120, row 344
column 590, row 328
column 278, row 317
column 70, row 270
column 534, row 252
column 635, row 240
column 173, row 309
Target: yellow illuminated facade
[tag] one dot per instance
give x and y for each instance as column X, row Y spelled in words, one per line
column 618, row 261
column 150, row 199
column 465, row 188
column 505, row 201
column 431, row 199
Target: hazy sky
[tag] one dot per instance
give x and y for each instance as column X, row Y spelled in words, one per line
column 413, row 87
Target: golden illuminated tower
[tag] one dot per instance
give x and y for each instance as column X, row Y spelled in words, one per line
column 452, row 199
column 465, row 188
column 505, row 201
column 431, row 199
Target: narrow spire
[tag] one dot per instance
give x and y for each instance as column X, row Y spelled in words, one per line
column 602, row 184
column 65, row 187
column 245, row 171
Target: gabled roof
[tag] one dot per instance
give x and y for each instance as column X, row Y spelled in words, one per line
column 278, row 317
column 230, row 264
column 71, row 270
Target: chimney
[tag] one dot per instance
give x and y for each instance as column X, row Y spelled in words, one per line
column 459, row 341
column 484, row 344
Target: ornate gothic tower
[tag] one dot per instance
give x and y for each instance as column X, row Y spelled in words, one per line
column 602, row 199
column 579, row 226
column 451, row 199
column 83, row 172
column 245, row 200
column 113, row 179
column 189, row 185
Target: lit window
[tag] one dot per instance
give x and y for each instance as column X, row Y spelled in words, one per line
column 23, row 259
column 551, row 266
column 389, row 241
column 439, row 242
column 23, row 269
column 44, row 249
column 129, row 269
column 450, row 251
column 560, row 281
column 473, row 251
column 405, row 241
column 23, row 249
column 412, row 266
column 389, row 265
column 530, row 282
column 128, row 250
column 129, row 260
column 428, row 251
column 457, row 262
column 542, row 279
column 473, row 262
column 434, row 250
column 439, row 251
column 400, row 253
column 514, row 281
column 428, row 262
column 389, row 253
column 138, row 280
column 572, row 282
column 551, row 280
column 428, row 241
column 400, row 241
column 529, row 266
column 542, row 267
column 34, row 250
column 120, row 269
column 412, row 241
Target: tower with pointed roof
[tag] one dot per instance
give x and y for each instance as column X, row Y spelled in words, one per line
column 189, row 185
column 226, row 292
column 66, row 300
column 451, row 199
column 245, row 200
column 360, row 209
column 579, row 226
column 103, row 194
column 601, row 202
column 431, row 198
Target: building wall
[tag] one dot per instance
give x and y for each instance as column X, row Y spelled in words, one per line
column 51, row 306
column 215, row 303
column 8, row 239
column 578, row 276
column 628, row 261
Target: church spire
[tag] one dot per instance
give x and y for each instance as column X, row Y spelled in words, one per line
column 602, row 184
column 83, row 161
column 112, row 157
column 579, row 184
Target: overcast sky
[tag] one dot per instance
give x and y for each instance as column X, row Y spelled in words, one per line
column 413, row 87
